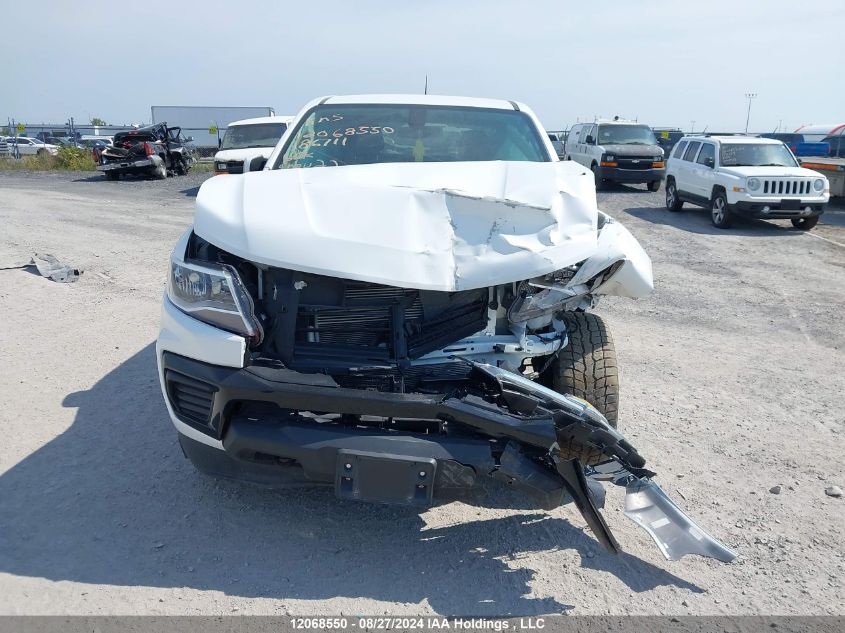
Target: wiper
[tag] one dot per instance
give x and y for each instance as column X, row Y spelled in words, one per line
column 774, row 165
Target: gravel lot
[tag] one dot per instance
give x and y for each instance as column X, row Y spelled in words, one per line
column 733, row 375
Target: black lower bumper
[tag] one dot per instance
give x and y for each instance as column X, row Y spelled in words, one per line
column 257, row 414
column 783, row 209
column 614, row 174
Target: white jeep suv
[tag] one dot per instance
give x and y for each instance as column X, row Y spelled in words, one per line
column 743, row 175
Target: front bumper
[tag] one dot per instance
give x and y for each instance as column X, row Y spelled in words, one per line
column 778, row 208
column 616, row 174
column 261, row 443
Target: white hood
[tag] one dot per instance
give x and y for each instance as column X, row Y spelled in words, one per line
column 246, row 154
column 429, row 226
column 770, row 172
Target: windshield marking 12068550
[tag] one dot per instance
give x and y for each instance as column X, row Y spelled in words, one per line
column 360, row 134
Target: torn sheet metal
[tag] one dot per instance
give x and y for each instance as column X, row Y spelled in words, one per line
column 673, row 531
column 430, row 226
column 49, row 266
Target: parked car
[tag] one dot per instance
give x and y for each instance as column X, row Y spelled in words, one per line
column 744, row 175
column 156, row 150
column 397, row 307
column 558, row 142
column 25, row 146
column 667, row 137
column 617, row 151
column 247, row 140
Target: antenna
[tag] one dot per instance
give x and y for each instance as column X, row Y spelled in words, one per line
column 425, row 90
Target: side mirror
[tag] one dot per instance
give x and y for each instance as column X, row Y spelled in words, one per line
column 710, row 162
column 590, row 140
column 257, row 164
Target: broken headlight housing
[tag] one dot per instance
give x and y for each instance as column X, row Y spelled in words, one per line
column 213, row 294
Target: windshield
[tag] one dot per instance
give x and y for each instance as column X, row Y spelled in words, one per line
column 257, row 135
column 626, row 135
column 360, row 134
column 755, row 155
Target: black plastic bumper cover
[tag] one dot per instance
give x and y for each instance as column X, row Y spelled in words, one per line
column 250, row 440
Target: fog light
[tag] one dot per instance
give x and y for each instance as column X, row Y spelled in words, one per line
column 808, row 210
column 765, row 209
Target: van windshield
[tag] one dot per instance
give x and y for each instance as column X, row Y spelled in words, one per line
column 360, row 134
column 626, row 135
column 257, row 135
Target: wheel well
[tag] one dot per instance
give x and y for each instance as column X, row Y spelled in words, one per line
column 670, row 179
column 717, row 189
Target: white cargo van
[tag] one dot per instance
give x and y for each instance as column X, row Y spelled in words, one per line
column 617, row 151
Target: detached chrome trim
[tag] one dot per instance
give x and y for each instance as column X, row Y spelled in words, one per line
column 673, row 531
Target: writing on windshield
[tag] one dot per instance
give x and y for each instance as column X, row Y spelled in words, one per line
column 360, row 134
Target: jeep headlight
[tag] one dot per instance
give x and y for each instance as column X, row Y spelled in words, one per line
column 752, row 184
column 818, row 184
column 213, row 294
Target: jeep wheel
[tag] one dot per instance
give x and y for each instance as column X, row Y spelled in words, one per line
column 805, row 224
column 719, row 212
column 598, row 179
column 586, row 367
column 654, row 185
column 673, row 202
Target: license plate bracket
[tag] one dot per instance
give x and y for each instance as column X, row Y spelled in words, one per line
column 385, row 478
column 790, row 205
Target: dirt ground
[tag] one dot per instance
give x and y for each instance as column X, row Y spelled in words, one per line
column 733, row 376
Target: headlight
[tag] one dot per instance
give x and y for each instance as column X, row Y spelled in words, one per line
column 220, row 167
column 818, row 184
column 610, row 157
column 213, row 294
column 752, row 184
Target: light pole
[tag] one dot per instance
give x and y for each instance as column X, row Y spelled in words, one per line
column 749, row 96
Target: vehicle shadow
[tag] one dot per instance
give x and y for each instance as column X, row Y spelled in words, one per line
column 112, row 501
column 191, row 192
column 618, row 187
column 697, row 220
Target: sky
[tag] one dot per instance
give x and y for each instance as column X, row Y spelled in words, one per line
column 665, row 63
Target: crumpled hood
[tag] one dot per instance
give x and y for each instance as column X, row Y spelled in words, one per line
column 633, row 150
column 428, row 226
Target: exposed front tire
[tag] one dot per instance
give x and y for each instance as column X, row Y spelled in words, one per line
column 720, row 214
column 673, row 202
column 586, row 367
column 654, row 185
column 805, row 224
